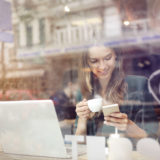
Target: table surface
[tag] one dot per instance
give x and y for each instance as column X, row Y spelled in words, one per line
column 4, row 156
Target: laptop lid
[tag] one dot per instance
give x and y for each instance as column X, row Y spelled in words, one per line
column 31, row 128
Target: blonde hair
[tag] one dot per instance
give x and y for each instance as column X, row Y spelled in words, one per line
column 116, row 87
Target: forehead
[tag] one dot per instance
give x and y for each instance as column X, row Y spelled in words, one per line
column 99, row 51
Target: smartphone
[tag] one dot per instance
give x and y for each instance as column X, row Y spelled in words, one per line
column 108, row 109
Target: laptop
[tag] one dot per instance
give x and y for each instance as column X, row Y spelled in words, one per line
column 31, row 127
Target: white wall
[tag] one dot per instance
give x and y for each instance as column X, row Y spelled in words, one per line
column 112, row 22
column 22, row 34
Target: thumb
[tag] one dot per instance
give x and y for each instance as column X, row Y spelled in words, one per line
column 84, row 99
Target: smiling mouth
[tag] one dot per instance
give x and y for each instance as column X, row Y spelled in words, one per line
column 103, row 73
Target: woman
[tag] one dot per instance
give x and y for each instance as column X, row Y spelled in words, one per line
column 102, row 74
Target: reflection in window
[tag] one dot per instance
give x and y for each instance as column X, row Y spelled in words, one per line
column 42, row 30
column 29, row 35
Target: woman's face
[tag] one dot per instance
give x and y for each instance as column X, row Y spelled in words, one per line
column 101, row 61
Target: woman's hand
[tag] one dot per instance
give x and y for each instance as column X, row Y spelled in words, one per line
column 121, row 122
column 83, row 113
column 82, row 109
column 118, row 120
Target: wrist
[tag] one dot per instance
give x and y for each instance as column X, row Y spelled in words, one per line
column 83, row 120
column 82, row 126
column 135, row 131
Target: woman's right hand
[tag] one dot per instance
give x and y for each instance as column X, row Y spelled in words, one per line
column 82, row 110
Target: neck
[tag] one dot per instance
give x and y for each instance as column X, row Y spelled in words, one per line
column 103, row 84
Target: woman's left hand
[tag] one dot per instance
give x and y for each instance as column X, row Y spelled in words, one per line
column 118, row 120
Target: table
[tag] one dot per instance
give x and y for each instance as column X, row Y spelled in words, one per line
column 4, row 156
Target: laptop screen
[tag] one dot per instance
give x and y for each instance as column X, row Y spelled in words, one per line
column 31, row 128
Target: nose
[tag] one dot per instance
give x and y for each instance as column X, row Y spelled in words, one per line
column 101, row 64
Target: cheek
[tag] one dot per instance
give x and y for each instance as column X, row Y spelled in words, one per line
column 112, row 64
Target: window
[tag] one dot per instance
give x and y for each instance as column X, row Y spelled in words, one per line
column 42, row 30
column 29, row 35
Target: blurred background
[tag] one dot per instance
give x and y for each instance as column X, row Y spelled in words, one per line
column 41, row 41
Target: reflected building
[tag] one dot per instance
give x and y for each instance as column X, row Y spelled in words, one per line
column 50, row 34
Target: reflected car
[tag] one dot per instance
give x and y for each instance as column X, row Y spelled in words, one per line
column 17, row 95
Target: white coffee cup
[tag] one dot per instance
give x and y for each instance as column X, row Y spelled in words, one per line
column 95, row 105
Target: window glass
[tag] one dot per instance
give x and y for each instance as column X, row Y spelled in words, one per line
column 29, row 35
column 74, row 51
column 42, row 30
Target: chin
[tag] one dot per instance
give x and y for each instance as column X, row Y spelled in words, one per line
column 103, row 77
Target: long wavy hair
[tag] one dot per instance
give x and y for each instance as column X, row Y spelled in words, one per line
column 90, row 84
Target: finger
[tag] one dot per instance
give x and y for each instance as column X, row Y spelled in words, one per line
column 116, row 120
column 118, row 115
column 82, row 109
column 84, row 100
column 119, row 126
column 83, row 112
column 83, row 115
column 82, row 103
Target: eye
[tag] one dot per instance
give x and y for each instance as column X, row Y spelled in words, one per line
column 93, row 60
column 108, row 57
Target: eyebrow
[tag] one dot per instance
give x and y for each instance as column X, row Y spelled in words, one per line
column 110, row 54
column 93, row 58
